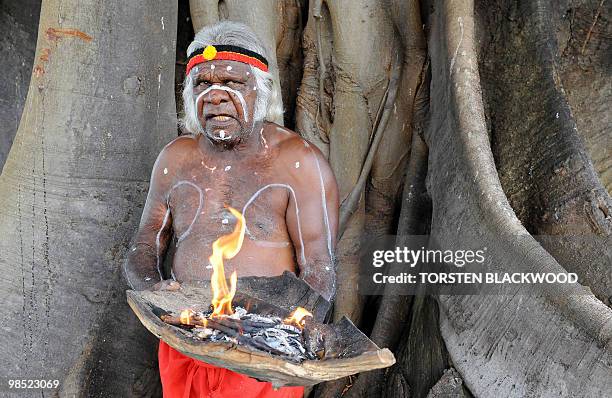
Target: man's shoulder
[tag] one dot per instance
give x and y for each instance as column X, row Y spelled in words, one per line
column 175, row 153
column 181, row 146
column 302, row 158
column 291, row 143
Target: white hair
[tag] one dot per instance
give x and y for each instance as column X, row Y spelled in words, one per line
column 268, row 103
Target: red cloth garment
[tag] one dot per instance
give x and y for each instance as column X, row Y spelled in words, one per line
column 185, row 377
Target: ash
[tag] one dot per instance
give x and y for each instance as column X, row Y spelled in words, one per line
column 264, row 333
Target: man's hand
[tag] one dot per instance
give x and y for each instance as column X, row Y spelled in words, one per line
column 168, row 284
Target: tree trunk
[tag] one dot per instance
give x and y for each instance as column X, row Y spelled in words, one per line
column 582, row 31
column 492, row 129
column 543, row 165
column 99, row 109
column 512, row 344
column 18, row 26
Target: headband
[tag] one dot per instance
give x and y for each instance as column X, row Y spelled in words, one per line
column 226, row 52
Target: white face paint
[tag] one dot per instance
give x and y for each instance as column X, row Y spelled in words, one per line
column 238, row 94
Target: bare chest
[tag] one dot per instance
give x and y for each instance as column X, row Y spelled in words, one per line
column 199, row 198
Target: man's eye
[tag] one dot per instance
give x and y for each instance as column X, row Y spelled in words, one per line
column 203, row 83
column 233, row 83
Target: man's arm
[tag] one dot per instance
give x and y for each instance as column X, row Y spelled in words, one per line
column 142, row 268
column 314, row 233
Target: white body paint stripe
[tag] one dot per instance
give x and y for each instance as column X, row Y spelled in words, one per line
column 200, row 204
column 324, row 203
column 297, row 212
column 157, row 243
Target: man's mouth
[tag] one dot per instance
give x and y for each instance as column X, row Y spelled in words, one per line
column 222, row 121
column 221, row 118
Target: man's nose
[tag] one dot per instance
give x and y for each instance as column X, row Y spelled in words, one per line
column 216, row 97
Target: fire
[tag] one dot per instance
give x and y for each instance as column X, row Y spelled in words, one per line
column 226, row 247
column 297, row 317
column 186, row 316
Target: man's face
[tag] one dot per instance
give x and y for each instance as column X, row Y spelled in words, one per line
column 225, row 100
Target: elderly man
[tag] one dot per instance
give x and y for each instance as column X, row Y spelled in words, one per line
column 235, row 156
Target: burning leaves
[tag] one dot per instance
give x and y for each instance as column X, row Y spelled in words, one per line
column 298, row 317
column 278, row 337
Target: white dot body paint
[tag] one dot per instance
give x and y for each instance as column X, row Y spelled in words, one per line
column 254, row 88
column 297, row 213
column 248, row 73
column 229, row 67
column 297, row 165
column 227, row 168
column 165, row 170
column 225, row 221
column 229, row 90
column 212, row 66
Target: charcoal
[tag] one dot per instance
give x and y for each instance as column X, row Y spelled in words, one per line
column 261, row 332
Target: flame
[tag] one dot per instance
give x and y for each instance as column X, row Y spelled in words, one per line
column 226, row 247
column 186, row 316
column 297, row 317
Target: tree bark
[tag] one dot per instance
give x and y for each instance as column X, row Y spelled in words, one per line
column 18, row 25
column 583, row 31
column 512, row 343
column 99, row 109
column 506, row 142
column 543, row 165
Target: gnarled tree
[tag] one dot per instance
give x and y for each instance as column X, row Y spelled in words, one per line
column 469, row 120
